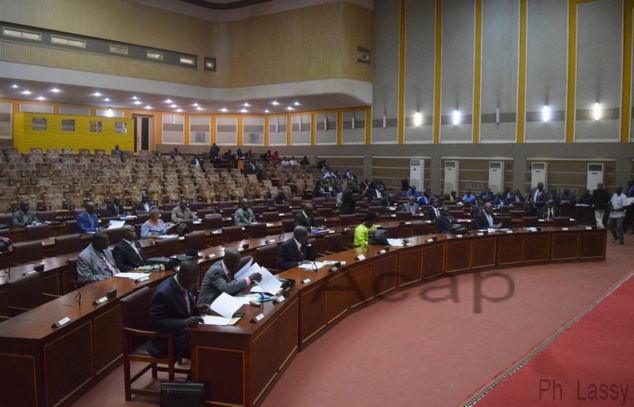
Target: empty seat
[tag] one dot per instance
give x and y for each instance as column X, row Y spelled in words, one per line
column 68, row 244
column 114, row 235
column 270, row 216
column 530, row 221
column 561, row 221
column 402, row 215
column 25, row 293
column 71, row 227
column 257, row 230
column 326, row 212
column 196, row 240
column 334, row 243
column 231, row 234
column 25, row 252
column 517, row 214
column 37, row 232
column 213, row 221
column 46, row 216
column 167, row 247
column 347, row 220
column 266, row 256
column 288, row 225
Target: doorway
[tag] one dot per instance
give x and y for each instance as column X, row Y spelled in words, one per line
column 143, row 132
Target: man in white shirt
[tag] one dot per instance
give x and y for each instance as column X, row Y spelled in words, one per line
column 618, row 203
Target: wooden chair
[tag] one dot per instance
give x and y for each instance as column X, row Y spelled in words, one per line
column 231, row 234
column 270, row 216
column 257, row 230
column 334, row 243
column 266, row 256
column 402, row 215
column 196, row 240
column 347, row 220
column 530, row 221
column 213, row 221
column 25, row 252
column 45, row 216
column 135, row 309
column 71, row 227
column 25, row 293
column 561, row 221
column 167, row 247
column 114, row 235
column 67, row 244
column 288, row 225
column 38, row 232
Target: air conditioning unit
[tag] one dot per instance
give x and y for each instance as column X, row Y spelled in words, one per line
column 452, row 169
column 595, row 176
column 496, row 176
column 539, row 173
column 417, row 174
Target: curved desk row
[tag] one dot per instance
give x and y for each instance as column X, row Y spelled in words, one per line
column 239, row 364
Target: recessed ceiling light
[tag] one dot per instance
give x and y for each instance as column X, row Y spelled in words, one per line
column 137, row 102
column 14, row 86
column 266, row 110
column 244, row 111
column 275, row 103
column 290, row 108
column 55, row 90
column 41, row 98
column 134, row 98
column 199, row 108
column 174, row 106
column 246, row 104
column 195, row 105
column 296, row 103
column 148, row 107
column 96, row 94
column 106, row 100
column 168, row 101
column 26, row 92
column 224, row 109
column 179, row 110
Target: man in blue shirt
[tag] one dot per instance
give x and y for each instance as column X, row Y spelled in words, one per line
column 87, row 221
column 468, row 197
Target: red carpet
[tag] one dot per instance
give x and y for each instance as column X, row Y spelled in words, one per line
column 589, row 362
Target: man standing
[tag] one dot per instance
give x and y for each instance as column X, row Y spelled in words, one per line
column 182, row 212
column 537, row 196
column 244, row 215
column 615, row 222
column 87, row 221
column 296, row 250
column 349, row 198
column 128, row 254
column 600, row 199
column 173, row 308
column 96, row 262
column 24, row 216
column 219, row 278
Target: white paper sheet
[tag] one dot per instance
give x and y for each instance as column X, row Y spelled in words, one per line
column 215, row 320
column 116, row 224
column 269, row 283
column 312, row 265
column 395, row 242
column 246, row 271
column 130, row 275
column 226, row 305
column 167, row 236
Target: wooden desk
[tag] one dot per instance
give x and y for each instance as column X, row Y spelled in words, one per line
column 45, row 366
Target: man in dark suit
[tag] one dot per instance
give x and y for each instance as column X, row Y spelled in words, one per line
column 549, row 211
column 305, row 218
column 444, row 222
column 173, row 308
column 128, row 253
column 433, row 212
column 24, row 216
column 537, row 197
column 144, row 206
column 295, row 251
column 485, row 219
column 349, row 198
column 219, row 278
column 114, row 208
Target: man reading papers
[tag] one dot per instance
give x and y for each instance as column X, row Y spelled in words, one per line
column 219, row 278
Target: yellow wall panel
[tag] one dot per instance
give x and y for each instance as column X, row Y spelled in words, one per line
column 25, row 138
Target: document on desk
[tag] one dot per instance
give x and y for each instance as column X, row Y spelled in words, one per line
column 131, row 276
column 395, row 242
column 313, row 265
column 270, row 284
column 219, row 321
column 116, row 224
column 226, row 305
column 167, row 236
column 246, row 271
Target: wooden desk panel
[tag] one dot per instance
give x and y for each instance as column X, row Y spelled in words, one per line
column 107, row 334
column 510, row 250
column 565, row 246
column 312, row 310
column 483, row 252
column 362, row 280
column 458, row 255
column 385, row 273
column 434, row 259
column 592, row 245
column 536, row 247
column 410, row 266
column 338, row 286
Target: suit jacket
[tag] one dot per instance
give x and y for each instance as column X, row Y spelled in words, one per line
column 241, row 220
column 114, row 210
column 140, row 208
column 87, row 223
column 374, row 194
column 288, row 254
column 348, row 202
column 539, row 200
column 168, row 313
column 300, row 220
column 444, row 223
column 125, row 256
column 179, row 215
column 414, row 208
column 19, row 220
column 91, row 267
column 216, row 282
column 481, row 221
column 430, row 214
column 544, row 212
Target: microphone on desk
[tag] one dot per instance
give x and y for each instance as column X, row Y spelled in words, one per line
column 77, row 284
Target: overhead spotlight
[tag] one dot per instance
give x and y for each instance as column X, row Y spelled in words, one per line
column 137, row 102
column 55, row 90
column 26, row 92
column 545, row 113
column 244, row 111
column 275, row 103
column 96, row 94
column 106, row 100
column 267, row 111
column 148, row 107
column 296, row 103
column 246, row 104
column 596, row 111
column 195, row 105
column 179, row 110
column 174, row 106
column 40, row 98
column 418, row 119
column 456, row 117
column 224, row 110
column 134, row 98
column 290, row 108
column 14, row 86
column 168, row 101
column 199, row 108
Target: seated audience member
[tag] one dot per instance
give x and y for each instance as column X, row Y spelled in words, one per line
column 585, row 199
column 280, row 198
column 196, row 161
column 143, row 206
column 182, row 212
column 444, row 222
column 375, row 193
column 248, row 154
column 485, row 218
column 517, row 197
column 568, row 197
column 96, row 262
column 411, row 206
column 239, row 153
column 116, row 151
column 469, row 197
column 175, row 153
column 499, row 200
column 487, row 194
column 347, row 174
column 266, row 156
column 305, row 218
column 412, row 192
column 24, row 216
column 326, row 173
column 252, row 168
column 114, row 208
column 285, row 162
column 425, row 199
column 275, row 156
column 128, row 254
column 244, row 215
column 362, row 232
column 296, row 250
column 319, row 190
column 219, row 278
column 433, row 212
column 388, row 201
column 305, row 161
column 549, row 211
column 453, row 196
column 153, row 227
column 293, row 161
column 380, row 185
column 87, row 221
column 173, row 308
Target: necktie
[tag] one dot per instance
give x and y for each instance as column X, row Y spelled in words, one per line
column 301, row 253
column 550, row 213
column 186, row 299
column 378, row 193
column 490, row 220
column 136, row 250
column 108, row 264
column 436, row 211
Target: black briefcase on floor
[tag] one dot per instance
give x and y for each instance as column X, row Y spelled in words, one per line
column 175, row 394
